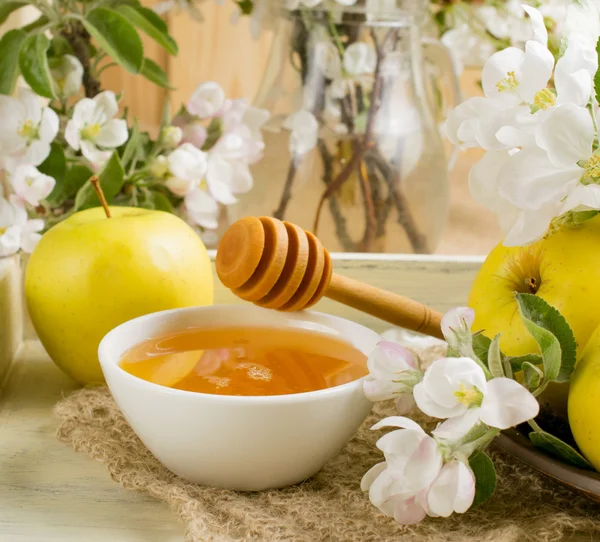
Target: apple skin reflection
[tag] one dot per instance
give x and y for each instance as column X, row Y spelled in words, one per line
column 246, row 361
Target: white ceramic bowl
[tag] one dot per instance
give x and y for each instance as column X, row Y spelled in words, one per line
column 243, row 443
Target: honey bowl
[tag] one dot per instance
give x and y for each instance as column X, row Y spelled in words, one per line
column 246, row 443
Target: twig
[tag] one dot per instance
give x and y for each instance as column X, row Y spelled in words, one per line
column 366, row 144
column 79, row 39
column 95, row 180
column 370, row 219
column 417, row 240
column 287, row 189
column 341, row 229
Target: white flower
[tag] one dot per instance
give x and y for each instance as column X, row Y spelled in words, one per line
column 67, row 73
column 359, row 59
column 194, row 133
column 393, row 372
column 413, row 462
column 207, row 101
column 305, row 131
column 188, row 166
column 327, row 59
column 452, row 491
column 30, row 185
column 456, row 325
column 27, row 130
column 456, row 388
column 171, row 136
column 202, row 209
column 94, row 128
column 467, row 47
column 159, row 167
column 16, row 231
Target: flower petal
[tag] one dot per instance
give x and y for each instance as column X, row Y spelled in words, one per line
column 97, row 157
column 567, row 135
column 389, row 359
column 106, row 106
column 380, row 390
column 188, row 163
column 496, row 69
column 452, row 491
column 423, row 466
column 408, row 511
column 430, row 407
column 359, row 58
column 506, row 403
column 529, row 180
column 219, row 176
column 398, row 421
column 460, row 127
column 207, row 100
column 582, row 197
column 112, row 134
column 540, row 34
column 371, row 475
column 459, row 320
column 202, row 209
column 530, row 226
column 49, row 125
column 405, row 403
column 535, row 71
column 458, row 426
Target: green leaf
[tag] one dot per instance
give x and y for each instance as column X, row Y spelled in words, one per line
column 485, row 477
column 73, row 180
column 495, row 358
column 153, row 72
column 10, row 44
column 533, row 375
column 597, row 75
column 33, row 63
column 8, row 7
column 117, row 36
column 55, row 165
column 517, row 362
column 132, row 147
column 481, row 346
column 38, row 23
column 556, row 447
column 553, row 335
column 155, row 200
column 111, row 181
column 59, row 47
column 151, row 24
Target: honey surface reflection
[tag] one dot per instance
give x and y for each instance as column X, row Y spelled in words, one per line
column 246, row 361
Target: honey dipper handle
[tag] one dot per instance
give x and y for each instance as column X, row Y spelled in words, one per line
column 392, row 308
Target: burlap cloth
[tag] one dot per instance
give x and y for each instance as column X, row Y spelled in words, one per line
column 329, row 507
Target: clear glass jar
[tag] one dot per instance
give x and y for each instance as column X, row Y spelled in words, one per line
column 353, row 149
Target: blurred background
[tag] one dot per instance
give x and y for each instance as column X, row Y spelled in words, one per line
column 221, row 48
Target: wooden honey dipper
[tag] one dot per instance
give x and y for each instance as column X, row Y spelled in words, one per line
column 278, row 265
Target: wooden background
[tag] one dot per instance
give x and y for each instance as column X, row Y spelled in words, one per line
column 220, row 51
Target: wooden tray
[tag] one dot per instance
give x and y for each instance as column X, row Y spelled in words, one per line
column 520, row 447
column 50, row 493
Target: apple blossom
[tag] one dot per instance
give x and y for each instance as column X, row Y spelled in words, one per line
column 171, row 136
column 16, row 231
column 359, row 59
column 93, row 128
column 452, row 491
column 304, row 131
column 456, row 388
column 207, row 100
column 30, row 185
column 413, row 462
column 393, row 372
column 194, row 133
column 67, row 73
column 28, row 128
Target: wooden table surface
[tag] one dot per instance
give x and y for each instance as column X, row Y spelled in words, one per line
column 49, row 493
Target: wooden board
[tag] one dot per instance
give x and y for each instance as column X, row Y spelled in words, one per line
column 50, row 493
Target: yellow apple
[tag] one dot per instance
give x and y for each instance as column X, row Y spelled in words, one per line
column 584, row 397
column 563, row 269
column 91, row 273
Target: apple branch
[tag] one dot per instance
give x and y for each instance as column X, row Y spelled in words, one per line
column 96, row 184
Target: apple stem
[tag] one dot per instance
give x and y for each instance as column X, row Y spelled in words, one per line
column 96, row 184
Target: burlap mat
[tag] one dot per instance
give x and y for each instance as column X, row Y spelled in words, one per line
column 330, row 506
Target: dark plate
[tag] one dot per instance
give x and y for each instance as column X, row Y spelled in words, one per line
column 520, row 447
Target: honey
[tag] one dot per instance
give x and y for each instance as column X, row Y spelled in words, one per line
column 246, row 361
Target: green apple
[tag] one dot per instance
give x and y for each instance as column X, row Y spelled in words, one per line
column 91, row 273
column 563, row 269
